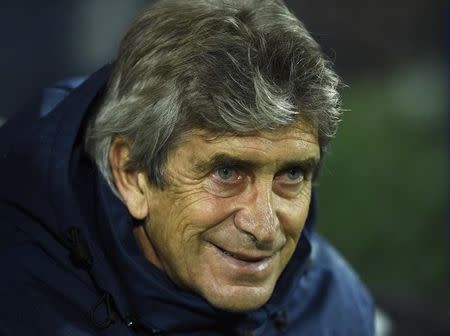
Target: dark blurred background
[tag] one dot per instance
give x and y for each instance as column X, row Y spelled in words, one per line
column 383, row 192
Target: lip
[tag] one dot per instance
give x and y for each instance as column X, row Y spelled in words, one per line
column 243, row 261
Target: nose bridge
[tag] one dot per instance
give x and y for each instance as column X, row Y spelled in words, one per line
column 257, row 216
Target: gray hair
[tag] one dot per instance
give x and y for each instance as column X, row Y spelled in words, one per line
column 219, row 65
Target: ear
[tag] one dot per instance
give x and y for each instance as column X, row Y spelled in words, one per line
column 131, row 184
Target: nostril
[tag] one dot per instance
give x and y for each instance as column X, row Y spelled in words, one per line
column 265, row 245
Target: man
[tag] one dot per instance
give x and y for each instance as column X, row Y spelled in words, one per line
column 171, row 193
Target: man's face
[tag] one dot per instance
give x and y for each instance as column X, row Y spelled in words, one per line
column 231, row 214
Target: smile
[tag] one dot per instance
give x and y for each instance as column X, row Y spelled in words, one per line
column 245, row 262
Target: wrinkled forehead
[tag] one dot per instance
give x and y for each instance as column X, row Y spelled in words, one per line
column 303, row 130
column 297, row 141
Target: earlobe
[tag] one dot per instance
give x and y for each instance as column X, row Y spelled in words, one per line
column 131, row 184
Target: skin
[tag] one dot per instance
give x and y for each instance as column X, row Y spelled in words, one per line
column 229, row 219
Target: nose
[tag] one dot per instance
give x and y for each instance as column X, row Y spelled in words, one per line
column 257, row 217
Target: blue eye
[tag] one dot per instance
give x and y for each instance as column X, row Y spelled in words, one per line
column 295, row 173
column 226, row 173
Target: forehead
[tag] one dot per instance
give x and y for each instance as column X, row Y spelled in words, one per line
column 296, row 141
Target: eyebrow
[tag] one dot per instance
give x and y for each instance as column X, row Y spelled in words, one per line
column 218, row 160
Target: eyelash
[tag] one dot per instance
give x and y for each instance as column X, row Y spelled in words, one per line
column 238, row 171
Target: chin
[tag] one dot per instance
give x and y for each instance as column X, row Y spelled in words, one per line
column 240, row 299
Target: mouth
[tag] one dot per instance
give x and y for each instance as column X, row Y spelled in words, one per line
column 242, row 256
column 245, row 261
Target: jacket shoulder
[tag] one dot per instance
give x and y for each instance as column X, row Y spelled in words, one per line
column 330, row 298
column 54, row 94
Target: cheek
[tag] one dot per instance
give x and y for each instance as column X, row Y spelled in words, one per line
column 182, row 217
column 293, row 213
column 178, row 225
column 292, row 217
column 205, row 214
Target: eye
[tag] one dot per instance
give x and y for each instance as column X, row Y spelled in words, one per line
column 227, row 175
column 290, row 182
column 295, row 174
column 226, row 181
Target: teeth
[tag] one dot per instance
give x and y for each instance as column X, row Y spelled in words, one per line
column 241, row 257
column 227, row 253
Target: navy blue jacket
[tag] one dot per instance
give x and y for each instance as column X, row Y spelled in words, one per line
column 71, row 266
